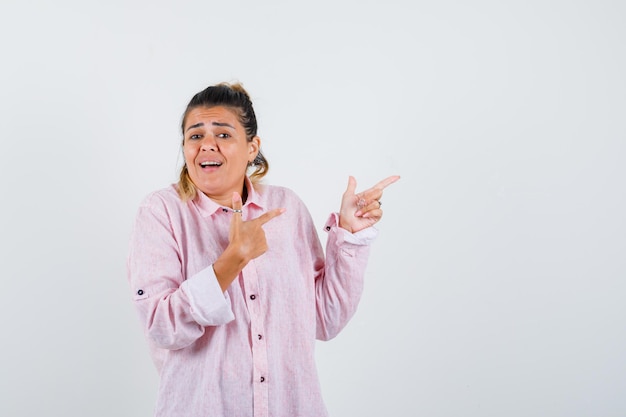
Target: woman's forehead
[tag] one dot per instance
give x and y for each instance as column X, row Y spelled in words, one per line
column 215, row 113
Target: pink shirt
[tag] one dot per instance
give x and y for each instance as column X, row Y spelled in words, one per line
column 248, row 351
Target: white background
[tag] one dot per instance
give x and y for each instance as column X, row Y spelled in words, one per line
column 496, row 287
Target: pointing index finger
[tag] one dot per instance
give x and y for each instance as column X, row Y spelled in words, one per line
column 386, row 182
column 266, row 217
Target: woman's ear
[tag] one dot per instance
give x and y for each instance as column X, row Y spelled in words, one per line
column 254, row 145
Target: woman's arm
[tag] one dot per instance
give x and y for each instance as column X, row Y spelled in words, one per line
column 339, row 283
column 172, row 309
column 175, row 309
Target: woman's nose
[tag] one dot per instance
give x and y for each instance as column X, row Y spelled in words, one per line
column 208, row 144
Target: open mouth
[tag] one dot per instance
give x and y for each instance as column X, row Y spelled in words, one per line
column 207, row 164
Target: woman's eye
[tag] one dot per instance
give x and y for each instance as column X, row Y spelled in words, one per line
column 223, row 135
column 195, row 136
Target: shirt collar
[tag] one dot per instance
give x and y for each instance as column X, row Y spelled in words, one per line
column 208, row 207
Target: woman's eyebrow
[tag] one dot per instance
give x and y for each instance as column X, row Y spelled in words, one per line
column 213, row 123
column 222, row 124
column 194, row 126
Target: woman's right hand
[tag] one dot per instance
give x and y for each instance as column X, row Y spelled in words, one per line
column 246, row 242
column 248, row 237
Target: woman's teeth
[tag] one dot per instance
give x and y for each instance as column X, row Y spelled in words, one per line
column 210, row 164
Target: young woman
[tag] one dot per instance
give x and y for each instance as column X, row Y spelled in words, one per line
column 229, row 276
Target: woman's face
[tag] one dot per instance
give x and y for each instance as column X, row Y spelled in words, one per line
column 217, row 152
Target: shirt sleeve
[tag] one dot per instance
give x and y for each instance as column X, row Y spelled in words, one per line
column 173, row 309
column 339, row 284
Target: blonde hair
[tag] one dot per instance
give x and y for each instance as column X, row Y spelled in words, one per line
column 236, row 98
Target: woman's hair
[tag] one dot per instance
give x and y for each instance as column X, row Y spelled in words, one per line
column 237, row 99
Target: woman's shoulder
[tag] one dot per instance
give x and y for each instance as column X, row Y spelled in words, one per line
column 275, row 196
column 274, row 193
column 164, row 199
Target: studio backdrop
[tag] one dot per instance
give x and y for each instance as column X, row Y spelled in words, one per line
column 496, row 286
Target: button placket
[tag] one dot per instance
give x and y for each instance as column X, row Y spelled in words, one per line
column 255, row 302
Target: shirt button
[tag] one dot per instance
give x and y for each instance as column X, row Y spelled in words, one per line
column 328, row 228
column 225, row 210
column 262, row 379
column 252, row 297
column 260, row 337
column 140, row 292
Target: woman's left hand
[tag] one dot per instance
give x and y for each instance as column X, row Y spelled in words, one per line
column 362, row 210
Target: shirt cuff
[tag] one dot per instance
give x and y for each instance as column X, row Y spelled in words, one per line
column 210, row 306
column 361, row 238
